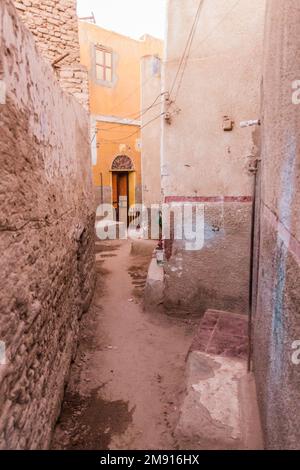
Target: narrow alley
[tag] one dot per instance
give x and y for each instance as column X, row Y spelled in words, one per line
column 127, row 381
column 149, row 229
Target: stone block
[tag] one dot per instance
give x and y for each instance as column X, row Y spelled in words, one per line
column 49, row 17
column 219, row 411
column 47, row 239
column 154, row 289
column 222, row 333
column 20, row 6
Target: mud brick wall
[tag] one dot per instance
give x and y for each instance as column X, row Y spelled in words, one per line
column 46, row 236
column 277, row 321
column 74, row 80
column 54, row 24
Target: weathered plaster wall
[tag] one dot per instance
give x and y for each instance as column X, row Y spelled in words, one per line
column 151, row 91
column 202, row 162
column 277, row 322
column 217, row 274
column 54, row 24
column 46, row 236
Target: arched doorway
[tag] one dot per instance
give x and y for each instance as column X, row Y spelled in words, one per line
column 123, row 186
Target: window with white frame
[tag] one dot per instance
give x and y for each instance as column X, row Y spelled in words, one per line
column 104, row 64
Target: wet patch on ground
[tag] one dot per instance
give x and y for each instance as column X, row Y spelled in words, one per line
column 138, row 274
column 102, row 247
column 111, row 382
column 89, row 422
column 104, row 250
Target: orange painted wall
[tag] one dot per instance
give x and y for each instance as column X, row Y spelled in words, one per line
column 123, row 100
column 108, row 150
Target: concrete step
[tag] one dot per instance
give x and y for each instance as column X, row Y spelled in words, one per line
column 220, row 409
column 222, row 333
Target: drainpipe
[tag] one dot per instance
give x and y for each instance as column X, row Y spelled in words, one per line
column 253, row 168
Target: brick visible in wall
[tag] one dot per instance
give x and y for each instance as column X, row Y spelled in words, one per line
column 54, row 24
column 46, row 237
column 55, row 27
column 74, row 80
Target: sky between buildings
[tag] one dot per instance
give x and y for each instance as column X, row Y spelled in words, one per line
column 129, row 17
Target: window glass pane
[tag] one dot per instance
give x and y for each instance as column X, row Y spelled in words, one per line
column 99, row 57
column 108, row 75
column 100, row 72
column 108, row 59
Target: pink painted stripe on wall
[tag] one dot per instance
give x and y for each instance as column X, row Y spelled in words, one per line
column 292, row 244
column 240, row 199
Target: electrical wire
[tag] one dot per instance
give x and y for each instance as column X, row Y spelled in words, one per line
column 201, row 42
column 131, row 93
column 188, row 52
column 188, row 44
column 143, row 112
column 131, row 122
column 139, row 115
column 121, row 139
column 183, row 62
column 220, row 22
column 93, row 138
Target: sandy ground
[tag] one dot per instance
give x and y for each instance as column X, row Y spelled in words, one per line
column 127, row 381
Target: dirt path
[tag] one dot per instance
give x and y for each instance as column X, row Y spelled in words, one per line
column 127, row 379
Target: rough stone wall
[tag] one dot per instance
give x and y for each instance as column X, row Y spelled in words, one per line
column 203, row 163
column 54, row 24
column 46, row 236
column 74, row 80
column 277, row 321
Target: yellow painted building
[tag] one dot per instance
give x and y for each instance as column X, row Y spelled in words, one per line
column 114, row 65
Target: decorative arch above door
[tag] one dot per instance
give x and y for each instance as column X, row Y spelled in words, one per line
column 122, row 163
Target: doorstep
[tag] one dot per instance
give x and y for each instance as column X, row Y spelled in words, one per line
column 220, row 409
